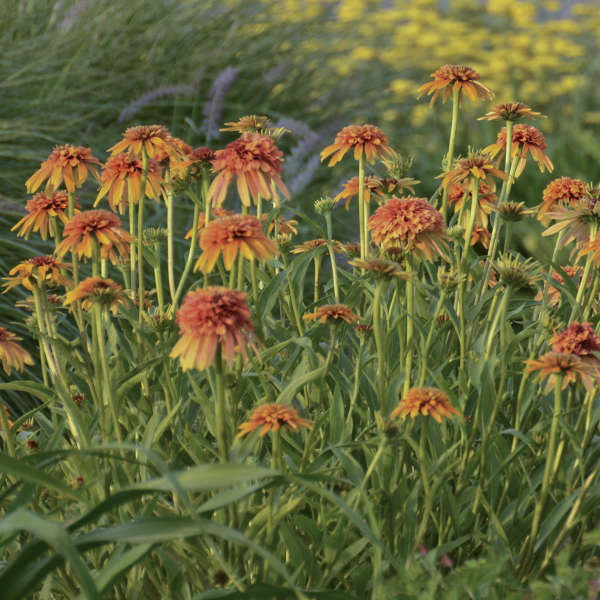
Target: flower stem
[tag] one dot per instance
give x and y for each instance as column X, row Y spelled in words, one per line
column 425, row 481
column 450, row 155
column 438, row 310
column 220, row 422
column 132, row 245
column 190, row 258
column 158, row 280
column 586, row 274
column 410, row 301
column 361, row 206
column 140, row 230
column 317, row 263
column 170, row 252
column 379, row 344
column 336, row 291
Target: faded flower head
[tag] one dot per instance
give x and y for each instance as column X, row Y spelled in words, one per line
column 569, row 367
column 66, row 163
column 411, row 224
column 232, row 235
column 248, row 124
column 475, row 166
column 272, row 417
column 37, row 271
column 362, row 139
column 12, row 354
column 333, row 314
column 511, row 111
column 255, row 163
column 41, row 208
column 97, row 290
column 579, row 339
column 455, row 77
column 211, row 318
column 425, row 401
column 382, row 269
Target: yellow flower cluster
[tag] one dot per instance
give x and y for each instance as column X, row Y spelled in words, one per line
column 530, row 49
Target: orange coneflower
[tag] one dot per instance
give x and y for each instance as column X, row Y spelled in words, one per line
column 41, row 208
column 366, row 139
column 480, row 235
column 511, row 111
column 579, row 339
column 382, row 269
column 155, row 139
column 475, row 166
column 373, row 184
column 100, row 225
column 460, row 193
column 36, row 271
column 455, row 77
column 568, row 366
column 248, row 124
column 216, row 213
column 316, row 243
column 272, row 417
column 425, row 401
column 333, row 313
column 411, row 224
column 207, row 318
column 192, row 163
column 68, row 163
column 284, row 227
column 232, row 235
column 98, row 290
column 121, row 179
column 11, row 353
column 563, row 191
column 525, row 138
column 255, row 162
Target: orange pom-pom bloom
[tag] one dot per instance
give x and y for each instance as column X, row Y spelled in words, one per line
column 155, row 139
column 40, row 209
column 272, row 417
column 207, row 318
column 366, row 139
column 255, row 162
column 475, row 166
column 121, row 179
column 97, row 290
column 232, row 235
column 563, row 191
column 486, row 198
column 101, row 225
column 425, row 401
column 455, row 77
column 411, row 224
column 525, row 138
column 333, row 314
column 68, row 163
column 37, row 271
column 579, row 339
column 12, row 354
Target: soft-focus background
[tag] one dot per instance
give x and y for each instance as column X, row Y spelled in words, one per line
column 81, row 71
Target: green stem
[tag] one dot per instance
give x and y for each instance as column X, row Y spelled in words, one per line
column 317, row 263
column 140, row 230
column 379, row 344
column 432, row 327
column 361, row 206
column 220, row 414
column 450, row 155
column 170, row 251
column 586, row 274
column 425, row 480
column 190, row 258
column 410, row 300
column 158, row 280
column 8, row 438
column 132, row 245
column 336, row 290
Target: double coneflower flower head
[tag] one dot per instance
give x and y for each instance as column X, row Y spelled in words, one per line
column 366, row 140
column 41, row 209
column 455, row 77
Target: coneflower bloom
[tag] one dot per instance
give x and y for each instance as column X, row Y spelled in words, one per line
column 12, row 354
column 232, row 235
column 121, row 179
column 373, row 184
column 100, row 225
column 192, row 163
column 317, row 243
column 97, row 290
column 486, row 199
column 411, row 224
column 333, row 313
column 155, row 139
column 37, row 271
column 570, row 367
column 475, row 166
column 41, row 208
column 579, row 339
column 564, row 191
column 284, row 227
column 216, row 213
column 255, row 163
column 362, row 139
column 272, row 417
column 525, row 138
column 382, row 269
column 66, row 163
column 480, row 235
column 425, row 401
column 511, row 111
column 208, row 318
column 455, row 77
column 248, row 124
